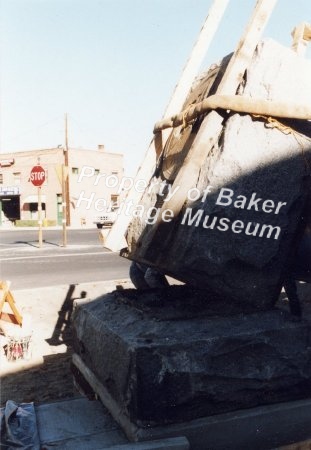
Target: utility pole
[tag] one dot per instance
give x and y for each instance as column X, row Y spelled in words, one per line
column 66, row 198
column 64, row 207
column 65, row 187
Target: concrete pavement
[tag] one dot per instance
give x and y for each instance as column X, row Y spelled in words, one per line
column 46, row 311
column 46, row 376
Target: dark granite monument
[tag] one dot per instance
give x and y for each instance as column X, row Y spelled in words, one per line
column 216, row 344
column 242, row 213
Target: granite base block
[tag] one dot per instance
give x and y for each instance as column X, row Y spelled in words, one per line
column 168, row 357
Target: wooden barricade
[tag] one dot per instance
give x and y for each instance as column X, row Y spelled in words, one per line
column 6, row 296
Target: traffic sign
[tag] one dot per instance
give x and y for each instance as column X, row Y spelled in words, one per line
column 37, row 175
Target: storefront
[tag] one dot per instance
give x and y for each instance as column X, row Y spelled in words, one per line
column 9, row 204
column 19, row 201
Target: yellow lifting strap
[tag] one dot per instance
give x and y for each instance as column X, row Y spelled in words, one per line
column 236, row 103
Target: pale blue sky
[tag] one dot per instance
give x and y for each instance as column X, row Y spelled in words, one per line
column 110, row 64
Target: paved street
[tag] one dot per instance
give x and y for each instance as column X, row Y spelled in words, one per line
column 83, row 260
column 20, row 238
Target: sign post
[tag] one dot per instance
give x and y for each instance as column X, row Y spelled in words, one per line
column 37, row 177
column 40, row 216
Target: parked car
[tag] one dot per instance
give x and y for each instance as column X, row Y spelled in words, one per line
column 106, row 219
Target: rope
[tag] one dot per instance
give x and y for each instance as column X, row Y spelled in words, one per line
column 185, row 114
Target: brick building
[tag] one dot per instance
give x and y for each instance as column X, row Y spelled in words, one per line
column 94, row 178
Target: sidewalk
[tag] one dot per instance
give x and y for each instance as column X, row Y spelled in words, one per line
column 46, row 311
column 56, row 227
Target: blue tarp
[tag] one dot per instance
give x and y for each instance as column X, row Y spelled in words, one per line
column 19, row 427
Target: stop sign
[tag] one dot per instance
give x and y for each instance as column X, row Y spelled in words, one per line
column 37, row 175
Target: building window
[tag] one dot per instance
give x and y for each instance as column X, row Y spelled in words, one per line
column 33, row 207
column 75, row 170
column 1, row 178
column 115, row 172
column 96, row 171
column 114, row 199
column 17, row 178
